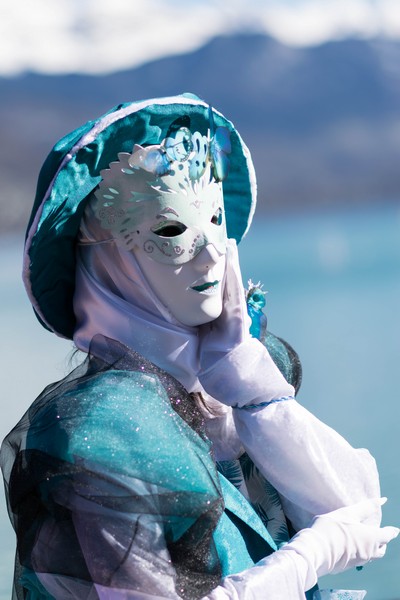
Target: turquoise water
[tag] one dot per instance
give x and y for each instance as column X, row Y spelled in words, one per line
column 333, row 282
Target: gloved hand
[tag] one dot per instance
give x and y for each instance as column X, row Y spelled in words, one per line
column 341, row 539
column 235, row 368
column 334, row 542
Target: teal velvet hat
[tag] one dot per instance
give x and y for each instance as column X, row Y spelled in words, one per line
column 72, row 171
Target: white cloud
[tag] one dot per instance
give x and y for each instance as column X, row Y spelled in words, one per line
column 148, row 30
column 98, row 35
column 315, row 21
column 60, row 36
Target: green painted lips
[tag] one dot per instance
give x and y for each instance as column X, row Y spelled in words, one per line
column 205, row 286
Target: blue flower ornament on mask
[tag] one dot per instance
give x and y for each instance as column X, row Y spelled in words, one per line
column 167, row 199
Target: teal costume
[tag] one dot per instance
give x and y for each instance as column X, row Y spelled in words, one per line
column 110, row 457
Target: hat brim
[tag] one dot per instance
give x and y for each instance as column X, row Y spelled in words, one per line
column 72, row 171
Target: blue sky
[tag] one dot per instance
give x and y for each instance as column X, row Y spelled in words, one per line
column 97, row 36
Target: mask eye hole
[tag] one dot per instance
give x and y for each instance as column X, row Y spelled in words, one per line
column 216, row 219
column 170, row 229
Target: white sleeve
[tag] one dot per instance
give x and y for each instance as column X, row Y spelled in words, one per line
column 314, row 469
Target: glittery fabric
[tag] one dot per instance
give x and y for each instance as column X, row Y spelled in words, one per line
column 111, row 484
column 339, row 595
column 261, row 494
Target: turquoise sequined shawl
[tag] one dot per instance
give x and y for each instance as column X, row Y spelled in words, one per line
column 114, row 457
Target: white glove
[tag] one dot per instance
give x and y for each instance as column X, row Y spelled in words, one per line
column 335, row 541
column 235, row 368
column 341, row 539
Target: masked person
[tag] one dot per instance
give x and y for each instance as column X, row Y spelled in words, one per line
column 175, row 462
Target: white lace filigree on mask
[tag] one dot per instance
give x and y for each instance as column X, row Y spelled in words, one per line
column 164, row 199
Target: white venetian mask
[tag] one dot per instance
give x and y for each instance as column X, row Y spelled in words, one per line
column 167, row 202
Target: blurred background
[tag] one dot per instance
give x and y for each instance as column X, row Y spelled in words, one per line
column 313, row 86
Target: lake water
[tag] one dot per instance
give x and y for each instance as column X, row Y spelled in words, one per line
column 333, row 282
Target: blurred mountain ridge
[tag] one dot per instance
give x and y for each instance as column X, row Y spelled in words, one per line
column 322, row 122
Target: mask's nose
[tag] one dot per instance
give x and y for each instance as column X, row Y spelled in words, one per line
column 206, row 258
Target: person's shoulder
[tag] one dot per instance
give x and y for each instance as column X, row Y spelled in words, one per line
column 112, row 398
column 117, row 419
column 285, row 357
column 112, row 388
